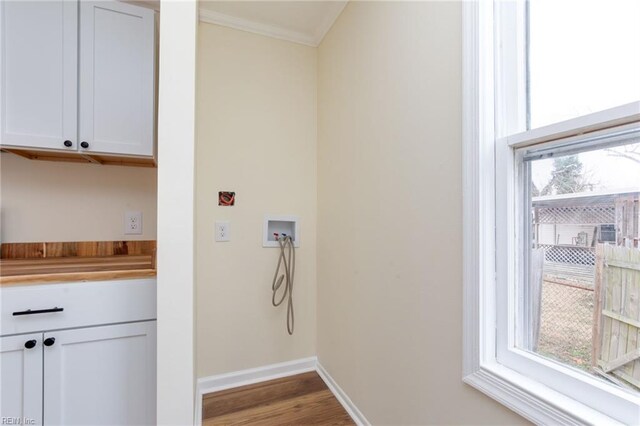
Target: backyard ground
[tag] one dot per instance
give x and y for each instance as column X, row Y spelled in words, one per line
column 566, row 324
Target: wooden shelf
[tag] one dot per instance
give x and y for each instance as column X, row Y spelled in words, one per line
column 30, row 263
column 58, row 265
column 76, row 277
column 83, row 157
column 58, row 269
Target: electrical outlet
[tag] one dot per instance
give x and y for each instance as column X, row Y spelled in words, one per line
column 133, row 223
column 223, row 229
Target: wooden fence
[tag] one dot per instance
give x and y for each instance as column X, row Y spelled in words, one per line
column 616, row 322
column 628, row 221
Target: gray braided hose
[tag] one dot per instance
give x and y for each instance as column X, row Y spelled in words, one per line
column 288, row 259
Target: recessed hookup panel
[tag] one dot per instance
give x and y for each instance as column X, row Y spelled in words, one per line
column 280, row 225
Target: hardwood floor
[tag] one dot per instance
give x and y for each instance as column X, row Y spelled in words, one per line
column 302, row 399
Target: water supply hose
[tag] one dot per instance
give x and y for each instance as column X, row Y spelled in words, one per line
column 288, row 259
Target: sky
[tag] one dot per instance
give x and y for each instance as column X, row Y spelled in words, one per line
column 584, row 57
column 607, row 172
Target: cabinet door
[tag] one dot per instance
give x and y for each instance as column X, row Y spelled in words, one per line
column 38, row 73
column 101, row 375
column 21, row 378
column 116, row 78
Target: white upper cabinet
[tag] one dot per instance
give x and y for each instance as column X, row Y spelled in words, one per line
column 39, row 77
column 78, row 76
column 116, row 78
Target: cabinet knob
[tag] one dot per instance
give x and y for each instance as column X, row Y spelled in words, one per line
column 68, row 144
column 49, row 341
column 30, row 344
column 84, row 144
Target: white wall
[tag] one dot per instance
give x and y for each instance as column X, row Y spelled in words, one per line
column 54, row 201
column 390, row 214
column 563, row 233
column 256, row 136
column 176, row 182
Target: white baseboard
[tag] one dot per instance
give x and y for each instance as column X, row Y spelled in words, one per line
column 342, row 397
column 234, row 379
column 254, row 375
column 250, row 376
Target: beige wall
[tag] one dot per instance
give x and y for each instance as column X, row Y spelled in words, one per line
column 256, row 136
column 390, row 214
column 54, row 201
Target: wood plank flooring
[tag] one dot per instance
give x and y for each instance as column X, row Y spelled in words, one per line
column 302, row 399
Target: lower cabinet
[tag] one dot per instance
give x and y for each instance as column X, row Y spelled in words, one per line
column 104, row 375
column 101, row 375
column 21, row 378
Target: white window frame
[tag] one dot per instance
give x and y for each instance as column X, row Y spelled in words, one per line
column 538, row 389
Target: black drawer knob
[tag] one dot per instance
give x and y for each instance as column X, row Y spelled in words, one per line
column 68, row 144
column 29, row 344
column 84, row 144
column 49, row 341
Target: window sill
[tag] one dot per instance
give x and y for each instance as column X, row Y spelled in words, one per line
column 532, row 400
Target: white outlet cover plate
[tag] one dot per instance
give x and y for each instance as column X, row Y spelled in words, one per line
column 133, row 223
column 222, row 230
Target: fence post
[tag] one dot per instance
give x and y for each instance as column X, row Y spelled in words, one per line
column 535, row 296
column 597, row 305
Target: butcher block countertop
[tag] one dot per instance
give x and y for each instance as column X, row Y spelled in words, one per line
column 40, row 263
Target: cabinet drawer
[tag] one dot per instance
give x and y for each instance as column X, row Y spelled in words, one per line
column 26, row 309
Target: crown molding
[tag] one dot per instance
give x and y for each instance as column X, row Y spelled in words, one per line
column 275, row 31
column 329, row 20
column 212, row 17
column 148, row 4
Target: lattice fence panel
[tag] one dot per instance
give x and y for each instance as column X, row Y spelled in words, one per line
column 593, row 214
column 569, row 254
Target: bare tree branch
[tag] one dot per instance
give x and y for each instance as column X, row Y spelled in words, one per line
column 629, row 154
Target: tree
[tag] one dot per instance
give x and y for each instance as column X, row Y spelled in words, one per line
column 535, row 192
column 630, row 152
column 567, row 177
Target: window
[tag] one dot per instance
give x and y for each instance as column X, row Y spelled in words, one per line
column 607, row 233
column 552, row 173
column 566, row 194
column 583, row 57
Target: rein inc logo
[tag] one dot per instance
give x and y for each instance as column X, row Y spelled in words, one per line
column 17, row 421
